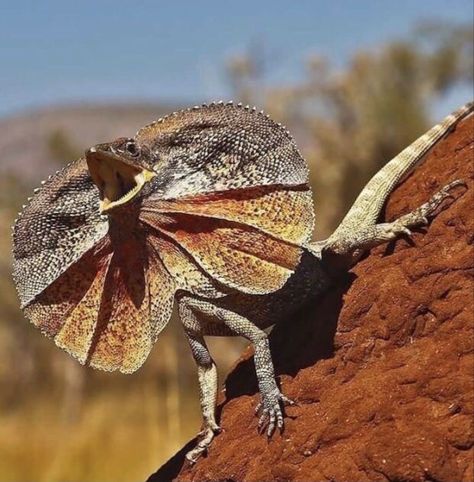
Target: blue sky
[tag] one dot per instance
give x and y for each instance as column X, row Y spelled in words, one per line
column 62, row 51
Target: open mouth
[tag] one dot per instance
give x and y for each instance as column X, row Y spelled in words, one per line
column 118, row 181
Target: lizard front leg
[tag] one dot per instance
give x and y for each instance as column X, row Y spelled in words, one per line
column 273, row 400
column 207, row 375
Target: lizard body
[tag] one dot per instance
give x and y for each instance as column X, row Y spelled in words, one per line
column 209, row 208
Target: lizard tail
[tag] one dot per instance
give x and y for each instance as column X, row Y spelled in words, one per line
column 366, row 208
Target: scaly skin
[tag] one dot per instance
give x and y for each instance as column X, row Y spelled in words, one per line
column 210, row 208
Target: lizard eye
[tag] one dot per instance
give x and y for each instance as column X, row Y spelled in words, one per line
column 132, row 148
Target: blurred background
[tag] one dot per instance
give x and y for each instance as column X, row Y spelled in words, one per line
column 355, row 82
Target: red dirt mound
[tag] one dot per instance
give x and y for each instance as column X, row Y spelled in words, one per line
column 382, row 367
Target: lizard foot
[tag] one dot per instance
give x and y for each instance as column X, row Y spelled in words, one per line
column 271, row 411
column 205, row 437
column 419, row 217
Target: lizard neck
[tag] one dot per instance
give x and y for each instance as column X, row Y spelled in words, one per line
column 124, row 224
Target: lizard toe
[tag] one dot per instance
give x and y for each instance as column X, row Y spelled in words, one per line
column 263, row 420
column 287, row 401
column 271, row 423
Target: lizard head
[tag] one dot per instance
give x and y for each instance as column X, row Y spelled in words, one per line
column 120, row 169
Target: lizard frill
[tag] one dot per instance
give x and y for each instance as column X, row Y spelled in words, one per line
column 244, row 239
column 102, row 300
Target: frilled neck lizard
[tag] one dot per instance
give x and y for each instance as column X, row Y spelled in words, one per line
column 209, row 208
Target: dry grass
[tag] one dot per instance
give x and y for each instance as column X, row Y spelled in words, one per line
column 118, row 437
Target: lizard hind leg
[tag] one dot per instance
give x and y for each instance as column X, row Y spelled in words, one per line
column 354, row 244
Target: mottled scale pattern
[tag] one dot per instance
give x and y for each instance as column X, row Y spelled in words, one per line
column 227, row 212
column 236, row 255
column 59, row 224
column 123, row 338
column 183, row 268
column 80, row 325
column 284, row 213
column 51, row 309
column 221, row 148
column 161, row 291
